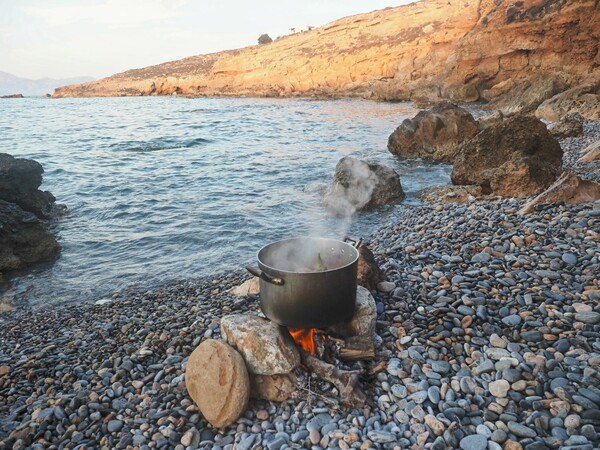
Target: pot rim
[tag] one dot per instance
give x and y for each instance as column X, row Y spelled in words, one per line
column 266, row 266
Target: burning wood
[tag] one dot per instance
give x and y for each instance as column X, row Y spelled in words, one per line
column 305, row 339
column 346, row 381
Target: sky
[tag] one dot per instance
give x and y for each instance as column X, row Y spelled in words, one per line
column 67, row 38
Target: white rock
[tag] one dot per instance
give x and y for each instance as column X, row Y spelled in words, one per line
column 267, row 348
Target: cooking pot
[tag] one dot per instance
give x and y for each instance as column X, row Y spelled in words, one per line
column 307, row 282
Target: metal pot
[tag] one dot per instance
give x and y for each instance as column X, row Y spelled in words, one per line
column 307, row 282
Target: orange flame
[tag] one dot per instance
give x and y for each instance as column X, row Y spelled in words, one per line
column 305, row 339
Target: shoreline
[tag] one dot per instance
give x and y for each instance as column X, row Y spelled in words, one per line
column 488, row 335
column 157, row 330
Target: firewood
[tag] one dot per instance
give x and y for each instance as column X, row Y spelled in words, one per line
column 347, row 382
column 358, row 348
column 380, row 367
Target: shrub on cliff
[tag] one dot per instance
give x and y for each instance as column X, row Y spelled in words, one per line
column 264, row 39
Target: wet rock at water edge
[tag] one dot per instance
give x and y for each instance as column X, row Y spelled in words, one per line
column 359, row 185
column 435, row 134
column 515, row 158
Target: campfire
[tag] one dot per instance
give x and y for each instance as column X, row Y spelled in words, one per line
column 306, row 339
column 317, row 323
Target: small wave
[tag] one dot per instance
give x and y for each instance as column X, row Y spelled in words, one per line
column 158, row 145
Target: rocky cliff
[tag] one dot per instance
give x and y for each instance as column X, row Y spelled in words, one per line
column 513, row 53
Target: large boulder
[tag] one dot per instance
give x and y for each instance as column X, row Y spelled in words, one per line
column 434, row 134
column 266, row 347
column 217, row 380
column 583, row 99
column 514, row 158
column 19, row 182
column 361, row 185
column 569, row 188
column 24, row 239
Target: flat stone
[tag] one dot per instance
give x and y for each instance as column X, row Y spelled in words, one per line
column 267, row 348
column 442, row 367
column 114, row 426
column 217, row 380
column 588, row 317
column 497, row 353
column 382, row 437
column 482, row 257
column 248, row 287
column 399, row 391
column 474, row 442
column 569, row 258
column 484, row 366
column 581, row 307
column 497, row 341
column 521, row 430
column 386, row 286
column 512, row 320
column 512, row 445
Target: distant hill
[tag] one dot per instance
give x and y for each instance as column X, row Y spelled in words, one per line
column 505, row 52
column 12, row 84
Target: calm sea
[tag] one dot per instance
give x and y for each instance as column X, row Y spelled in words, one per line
column 164, row 188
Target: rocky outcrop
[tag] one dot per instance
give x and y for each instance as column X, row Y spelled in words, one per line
column 568, row 126
column 515, row 158
column 434, row 134
column 492, row 119
column 19, row 182
column 24, row 239
column 12, row 96
column 359, row 185
column 472, row 50
column 24, row 210
column 583, row 99
column 569, row 188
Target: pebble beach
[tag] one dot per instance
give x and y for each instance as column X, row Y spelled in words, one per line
column 488, row 335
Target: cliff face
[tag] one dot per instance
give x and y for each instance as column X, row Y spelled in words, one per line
column 494, row 50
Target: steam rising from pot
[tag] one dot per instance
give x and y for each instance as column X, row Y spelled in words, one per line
column 352, row 187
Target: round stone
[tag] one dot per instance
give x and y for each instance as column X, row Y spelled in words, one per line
column 474, row 442
column 569, row 258
column 217, row 380
column 499, row 388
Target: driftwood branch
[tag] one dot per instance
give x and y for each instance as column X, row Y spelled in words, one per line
column 347, row 382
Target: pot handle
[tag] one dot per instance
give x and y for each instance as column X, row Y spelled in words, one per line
column 355, row 242
column 264, row 276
